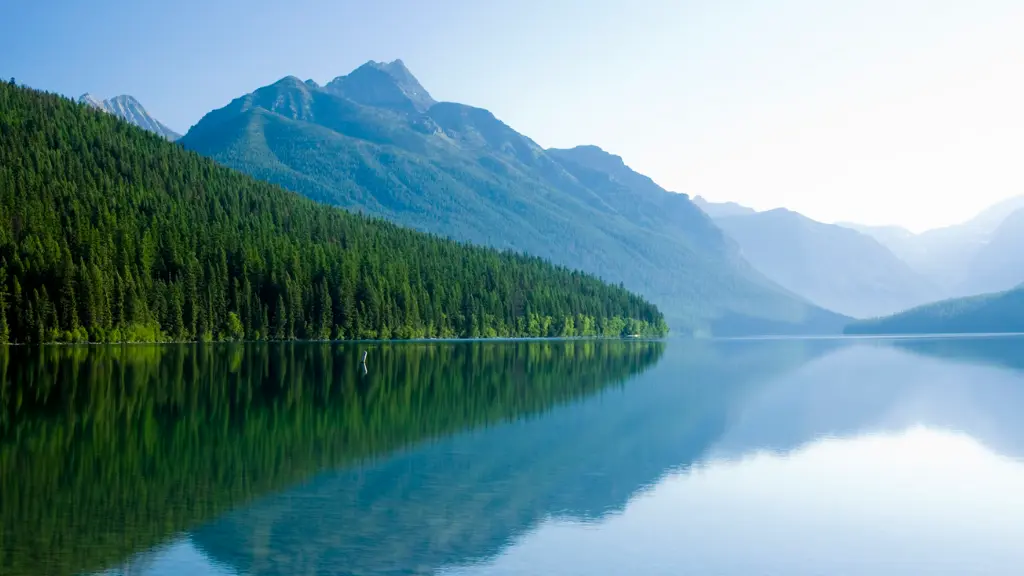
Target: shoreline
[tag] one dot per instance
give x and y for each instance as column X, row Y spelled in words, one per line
column 371, row 341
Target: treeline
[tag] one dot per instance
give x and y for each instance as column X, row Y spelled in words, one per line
column 111, row 234
column 106, row 451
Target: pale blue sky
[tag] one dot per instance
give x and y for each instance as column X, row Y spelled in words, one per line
column 878, row 111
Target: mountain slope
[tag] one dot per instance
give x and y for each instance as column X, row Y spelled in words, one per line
column 1002, row 312
column 722, row 209
column 998, row 264
column 834, row 267
column 897, row 239
column 129, row 109
column 375, row 142
column 108, row 233
column 956, row 258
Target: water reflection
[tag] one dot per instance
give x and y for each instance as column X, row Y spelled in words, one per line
column 108, row 451
column 920, row 501
column 960, row 385
column 795, row 457
column 465, row 498
column 877, row 458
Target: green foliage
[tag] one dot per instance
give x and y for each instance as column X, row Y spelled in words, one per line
column 111, row 234
column 1002, row 312
column 235, row 329
column 106, row 451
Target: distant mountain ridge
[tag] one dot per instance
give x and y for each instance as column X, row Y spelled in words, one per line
column 982, row 255
column 999, row 263
column 982, row 263
column 375, row 141
column 129, row 109
column 834, row 267
column 722, row 209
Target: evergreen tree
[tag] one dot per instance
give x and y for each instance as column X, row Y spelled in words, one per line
column 5, row 331
column 326, row 320
column 280, row 320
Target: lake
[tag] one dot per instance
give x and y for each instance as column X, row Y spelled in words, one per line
column 790, row 457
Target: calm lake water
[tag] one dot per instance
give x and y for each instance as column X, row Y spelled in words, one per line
column 733, row 458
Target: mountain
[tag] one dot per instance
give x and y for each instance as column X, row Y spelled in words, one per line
column 108, row 233
column 722, row 209
column 387, row 85
column 962, row 259
column 129, row 109
column 1001, row 312
column 897, row 239
column 834, row 267
column 991, row 218
column 374, row 141
column 998, row 264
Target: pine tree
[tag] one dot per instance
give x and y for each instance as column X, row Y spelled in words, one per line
column 21, row 313
column 326, row 312
column 5, row 331
column 265, row 324
column 280, row 320
column 68, row 301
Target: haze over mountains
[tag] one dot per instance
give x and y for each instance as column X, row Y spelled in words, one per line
column 870, row 271
column 129, row 109
column 983, row 254
column 834, row 267
column 375, row 141
column 979, row 265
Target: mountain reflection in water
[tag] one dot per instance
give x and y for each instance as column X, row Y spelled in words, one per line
column 508, row 458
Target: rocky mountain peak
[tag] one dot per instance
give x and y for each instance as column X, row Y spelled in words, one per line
column 131, row 110
column 383, row 85
column 91, row 100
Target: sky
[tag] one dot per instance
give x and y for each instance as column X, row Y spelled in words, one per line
column 905, row 112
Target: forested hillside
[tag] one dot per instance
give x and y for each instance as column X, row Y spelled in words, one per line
column 110, row 233
column 374, row 141
column 1002, row 312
